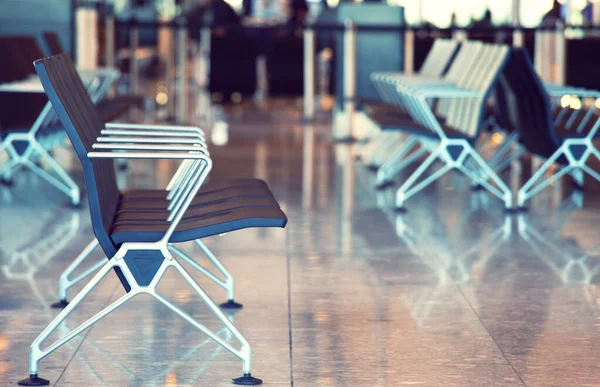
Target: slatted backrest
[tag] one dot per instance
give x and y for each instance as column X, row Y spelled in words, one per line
column 468, row 114
column 82, row 123
column 527, row 104
column 439, row 57
column 468, row 53
column 461, row 69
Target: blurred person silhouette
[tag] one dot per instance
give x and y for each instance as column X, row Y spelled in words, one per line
column 553, row 15
column 453, row 18
column 588, row 13
column 485, row 21
column 217, row 12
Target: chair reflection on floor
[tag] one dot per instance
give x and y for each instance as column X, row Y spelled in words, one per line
column 452, row 261
column 564, row 256
column 459, row 266
column 23, row 264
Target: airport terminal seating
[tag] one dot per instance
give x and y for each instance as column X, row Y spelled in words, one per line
column 382, row 153
column 561, row 134
column 557, row 123
column 140, row 242
column 449, row 128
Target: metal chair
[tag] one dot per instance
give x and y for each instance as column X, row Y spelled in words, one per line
column 140, row 247
column 380, row 152
column 562, row 134
column 450, row 137
column 407, row 152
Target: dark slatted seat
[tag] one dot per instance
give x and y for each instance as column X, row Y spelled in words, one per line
column 566, row 127
column 202, row 226
column 143, row 202
column 160, row 214
column 210, row 187
column 394, row 120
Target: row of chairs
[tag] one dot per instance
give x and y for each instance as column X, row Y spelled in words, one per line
column 446, row 114
column 29, row 128
column 138, row 230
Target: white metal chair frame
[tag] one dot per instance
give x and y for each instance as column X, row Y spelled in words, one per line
column 183, row 188
column 576, row 151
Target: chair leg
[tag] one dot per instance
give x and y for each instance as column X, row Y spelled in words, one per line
column 227, row 284
column 578, row 176
column 485, row 174
column 407, row 190
column 400, row 166
column 36, row 353
column 229, row 281
column 6, row 172
column 64, row 283
column 386, row 171
column 538, row 182
column 390, row 141
column 244, row 353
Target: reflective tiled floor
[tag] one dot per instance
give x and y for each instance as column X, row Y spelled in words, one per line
column 452, row 293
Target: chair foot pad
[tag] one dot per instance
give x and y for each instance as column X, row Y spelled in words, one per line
column 33, row 380
column 247, row 380
column 60, row 304
column 577, row 187
column 230, row 304
column 384, row 184
column 516, row 210
column 74, row 206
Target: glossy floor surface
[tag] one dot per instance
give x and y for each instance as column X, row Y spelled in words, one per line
column 452, row 293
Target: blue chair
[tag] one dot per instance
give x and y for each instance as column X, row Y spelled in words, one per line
column 140, row 247
column 557, row 124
